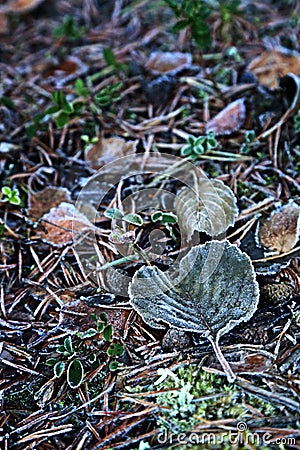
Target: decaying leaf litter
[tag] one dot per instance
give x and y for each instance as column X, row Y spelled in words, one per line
column 198, row 151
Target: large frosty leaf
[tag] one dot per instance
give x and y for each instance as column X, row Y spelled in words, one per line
column 210, row 207
column 214, row 291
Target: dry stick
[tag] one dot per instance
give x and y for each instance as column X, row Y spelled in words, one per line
column 221, row 358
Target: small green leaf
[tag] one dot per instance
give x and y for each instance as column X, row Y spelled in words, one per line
column 59, row 369
column 199, row 149
column 6, row 101
column 108, row 333
column 88, row 333
column 68, row 345
column 156, row 216
column 180, row 25
column 109, row 57
column 53, row 109
column 92, row 358
column 51, row 362
column 135, row 219
column 75, row 373
column 59, row 98
column 6, row 191
column 15, row 200
column 62, row 119
column 169, row 218
column 60, row 349
column 31, row 131
column 80, row 88
column 113, row 213
column 115, row 350
column 186, row 150
column 103, row 317
column 77, row 106
column 113, row 365
column 100, row 326
column 68, row 108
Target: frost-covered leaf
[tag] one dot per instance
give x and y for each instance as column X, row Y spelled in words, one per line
column 210, row 207
column 113, row 213
column 215, row 290
column 135, row 219
column 280, row 232
column 59, row 368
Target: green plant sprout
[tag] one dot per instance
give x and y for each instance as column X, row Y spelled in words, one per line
column 89, row 141
column 11, row 196
column 63, row 110
column 250, row 142
column 77, row 355
column 69, row 30
column 168, row 219
column 110, row 60
column 196, row 147
column 194, row 14
column 114, row 213
column 108, row 95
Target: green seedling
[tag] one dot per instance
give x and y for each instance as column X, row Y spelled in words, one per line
column 11, row 196
column 108, row 95
column 167, row 219
column 196, row 147
column 69, row 30
column 250, row 142
column 134, row 219
column 81, row 353
column 62, row 110
column 110, row 60
column 89, row 141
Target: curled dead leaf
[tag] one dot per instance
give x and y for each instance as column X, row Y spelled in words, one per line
column 280, row 232
column 273, row 64
column 108, row 150
column 229, row 120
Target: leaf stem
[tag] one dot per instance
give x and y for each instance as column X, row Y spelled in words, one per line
column 221, row 358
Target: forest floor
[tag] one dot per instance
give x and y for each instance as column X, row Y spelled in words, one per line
column 125, row 148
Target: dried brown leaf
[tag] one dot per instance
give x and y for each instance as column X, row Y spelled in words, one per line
column 280, row 232
column 229, row 120
column 273, row 64
column 41, row 202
